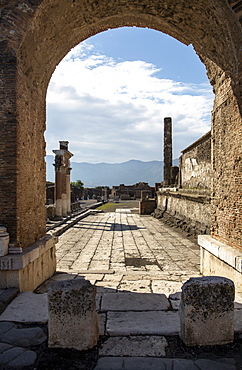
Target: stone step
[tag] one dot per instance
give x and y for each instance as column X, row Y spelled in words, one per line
column 144, row 363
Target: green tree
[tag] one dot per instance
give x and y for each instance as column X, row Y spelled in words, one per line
column 79, row 184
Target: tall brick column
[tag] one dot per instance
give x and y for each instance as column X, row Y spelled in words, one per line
column 62, row 180
column 167, row 150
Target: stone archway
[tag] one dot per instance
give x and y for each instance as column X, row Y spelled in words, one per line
column 36, row 35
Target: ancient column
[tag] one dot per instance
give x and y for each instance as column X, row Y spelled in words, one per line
column 68, row 191
column 62, row 180
column 167, row 150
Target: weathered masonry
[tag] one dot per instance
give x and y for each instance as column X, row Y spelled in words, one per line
column 195, row 166
column 188, row 202
column 35, row 36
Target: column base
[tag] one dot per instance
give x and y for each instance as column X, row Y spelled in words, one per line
column 29, row 269
column 220, row 259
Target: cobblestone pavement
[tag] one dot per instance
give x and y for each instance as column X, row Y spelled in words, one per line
column 138, row 265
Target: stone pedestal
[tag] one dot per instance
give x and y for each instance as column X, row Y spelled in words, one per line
column 4, row 241
column 73, row 321
column 207, row 311
column 28, row 269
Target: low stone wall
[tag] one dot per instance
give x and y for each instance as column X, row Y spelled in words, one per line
column 190, row 212
column 147, row 206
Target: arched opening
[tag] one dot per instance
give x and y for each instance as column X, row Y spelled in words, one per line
column 47, row 31
column 114, row 90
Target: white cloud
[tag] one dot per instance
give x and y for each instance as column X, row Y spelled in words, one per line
column 113, row 111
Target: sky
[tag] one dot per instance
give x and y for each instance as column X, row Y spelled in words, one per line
column 109, row 96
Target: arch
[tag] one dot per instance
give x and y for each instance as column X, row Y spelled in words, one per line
column 37, row 34
column 56, row 27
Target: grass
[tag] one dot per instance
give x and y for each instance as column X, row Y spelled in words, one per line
column 109, row 205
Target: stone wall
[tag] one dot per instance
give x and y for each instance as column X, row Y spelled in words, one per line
column 195, row 165
column 190, row 207
column 190, row 212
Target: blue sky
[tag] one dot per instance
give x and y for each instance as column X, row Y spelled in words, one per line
column 109, row 96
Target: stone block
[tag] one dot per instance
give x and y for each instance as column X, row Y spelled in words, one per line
column 207, row 311
column 73, row 321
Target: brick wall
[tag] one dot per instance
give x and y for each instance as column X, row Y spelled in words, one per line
column 226, row 216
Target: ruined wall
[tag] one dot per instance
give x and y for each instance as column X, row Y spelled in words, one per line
column 190, row 212
column 195, row 165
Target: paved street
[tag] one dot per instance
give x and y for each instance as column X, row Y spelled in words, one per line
column 125, row 251
column 138, row 265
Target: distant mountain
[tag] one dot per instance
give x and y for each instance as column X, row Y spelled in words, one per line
column 108, row 174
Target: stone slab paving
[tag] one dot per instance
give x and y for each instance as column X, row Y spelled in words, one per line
column 126, row 242
column 134, row 302
column 141, row 363
column 145, row 322
column 139, row 265
column 27, row 307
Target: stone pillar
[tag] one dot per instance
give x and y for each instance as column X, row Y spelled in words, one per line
column 207, row 311
column 73, row 320
column 62, row 180
column 167, row 150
